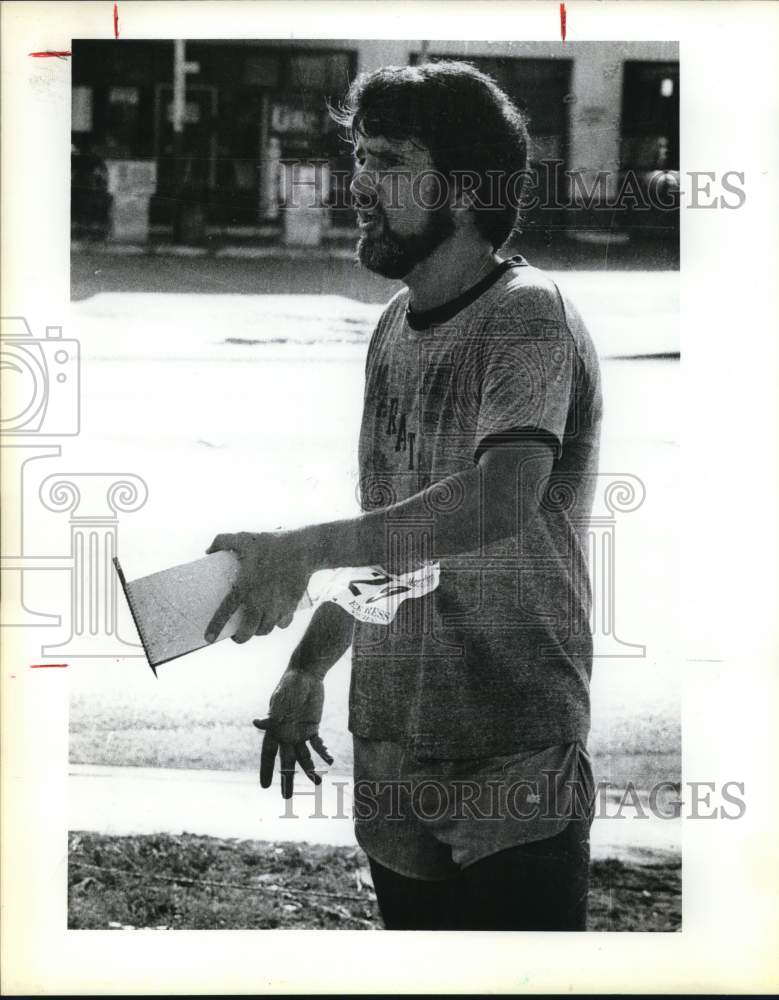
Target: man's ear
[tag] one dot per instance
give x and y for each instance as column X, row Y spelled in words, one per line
column 463, row 197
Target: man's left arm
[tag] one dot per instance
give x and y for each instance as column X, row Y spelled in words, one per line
column 495, row 499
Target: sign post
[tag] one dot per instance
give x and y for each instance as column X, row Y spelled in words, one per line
column 189, row 226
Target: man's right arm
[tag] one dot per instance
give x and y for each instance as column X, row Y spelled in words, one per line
column 296, row 704
column 328, row 636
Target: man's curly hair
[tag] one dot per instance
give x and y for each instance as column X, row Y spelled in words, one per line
column 470, row 126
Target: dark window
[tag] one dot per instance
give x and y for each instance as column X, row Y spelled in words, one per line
column 650, row 116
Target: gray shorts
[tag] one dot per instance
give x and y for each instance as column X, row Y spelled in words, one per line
column 428, row 819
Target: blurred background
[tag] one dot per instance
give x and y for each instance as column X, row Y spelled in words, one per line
column 223, row 333
column 195, row 141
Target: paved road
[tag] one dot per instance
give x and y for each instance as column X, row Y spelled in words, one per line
column 97, row 269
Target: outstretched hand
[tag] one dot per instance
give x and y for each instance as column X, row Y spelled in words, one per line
column 272, row 578
column 293, row 720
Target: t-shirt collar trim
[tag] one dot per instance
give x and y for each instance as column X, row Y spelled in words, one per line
column 424, row 318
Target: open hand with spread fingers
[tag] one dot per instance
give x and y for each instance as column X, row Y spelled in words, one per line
column 272, row 578
column 293, row 721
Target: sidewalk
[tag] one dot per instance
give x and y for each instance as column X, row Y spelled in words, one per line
column 179, row 305
column 128, row 800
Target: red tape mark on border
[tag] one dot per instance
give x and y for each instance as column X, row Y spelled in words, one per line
column 48, row 54
column 116, row 21
column 41, row 666
column 563, row 19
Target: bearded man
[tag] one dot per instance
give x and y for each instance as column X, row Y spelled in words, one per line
column 478, row 449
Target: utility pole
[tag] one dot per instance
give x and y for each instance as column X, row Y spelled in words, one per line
column 179, row 107
column 180, row 69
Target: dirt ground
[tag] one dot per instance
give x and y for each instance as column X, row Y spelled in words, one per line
column 169, row 882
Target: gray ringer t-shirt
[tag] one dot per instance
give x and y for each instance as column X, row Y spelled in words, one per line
column 498, row 658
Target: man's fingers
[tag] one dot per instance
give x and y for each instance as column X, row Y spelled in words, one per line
column 287, row 754
column 250, row 621
column 321, row 749
column 304, row 759
column 285, row 621
column 222, row 543
column 267, row 758
column 264, row 626
column 223, row 614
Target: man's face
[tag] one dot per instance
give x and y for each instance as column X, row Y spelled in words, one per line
column 402, row 207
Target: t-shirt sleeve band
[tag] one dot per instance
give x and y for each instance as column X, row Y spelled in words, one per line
column 514, row 434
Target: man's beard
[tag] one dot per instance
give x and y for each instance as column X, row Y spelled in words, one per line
column 393, row 256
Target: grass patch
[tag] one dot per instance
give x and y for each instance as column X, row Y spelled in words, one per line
column 182, row 882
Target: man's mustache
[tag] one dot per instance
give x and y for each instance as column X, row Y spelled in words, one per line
column 364, row 196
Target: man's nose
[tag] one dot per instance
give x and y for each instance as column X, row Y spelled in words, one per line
column 364, row 189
